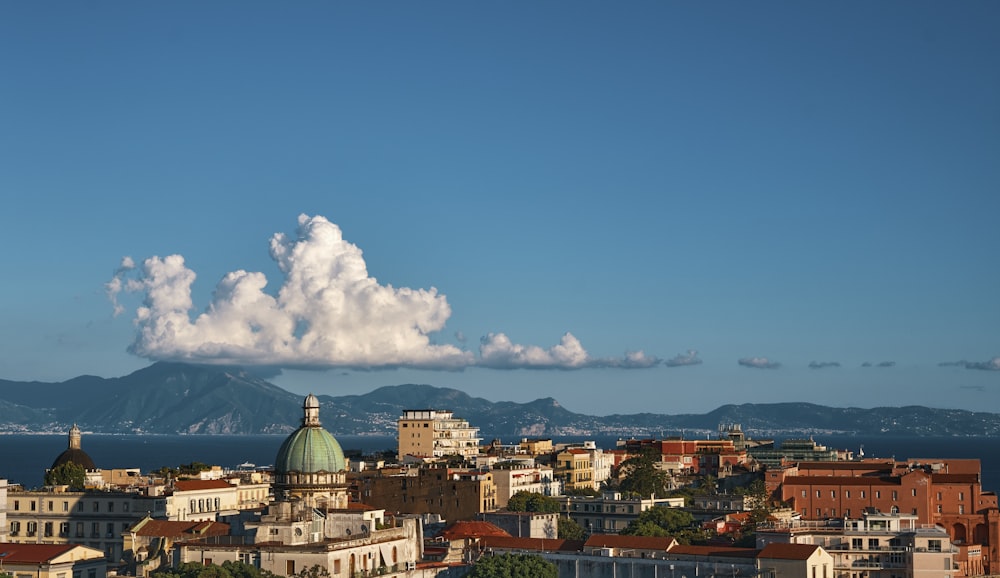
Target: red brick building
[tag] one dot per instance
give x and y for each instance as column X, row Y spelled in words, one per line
column 944, row 492
column 700, row 457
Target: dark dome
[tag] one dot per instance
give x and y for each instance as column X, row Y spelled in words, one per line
column 73, row 453
column 78, row 457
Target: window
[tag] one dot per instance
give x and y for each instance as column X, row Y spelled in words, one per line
column 961, row 508
column 862, row 494
column 847, row 494
column 895, row 495
column 17, row 505
column 15, row 528
column 873, row 543
column 125, row 507
column 48, row 529
column 833, row 493
column 111, row 530
column 95, row 529
column 79, row 529
column 961, row 496
column 939, row 496
column 65, row 506
column 818, row 513
column 64, row 529
column 913, row 492
column 934, row 545
column 31, row 504
column 817, row 493
column 939, row 508
column 97, row 506
column 50, row 506
column 803, row 495
column 847, row 513
column 111, row 506
column 32, row 528
column 878, row 494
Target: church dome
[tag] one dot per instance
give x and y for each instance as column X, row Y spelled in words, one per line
column 74, row 453
column 310, row 449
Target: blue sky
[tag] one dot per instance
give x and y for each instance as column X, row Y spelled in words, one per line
column 656, row 206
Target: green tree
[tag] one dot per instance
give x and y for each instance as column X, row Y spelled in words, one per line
column 239, row 569
column 513, row 566
column 68, row 474
column 314, row 571
column 640, row 475
column 662, row 521
column 570, row 529
column 586, row 492
column 532, row 502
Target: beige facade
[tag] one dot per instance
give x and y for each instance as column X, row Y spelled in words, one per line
column 290, row 539
column 436, row 433
column 92, row 518
column 610, row 513
column 512, row 477
column 583, row 468
column 52, row 561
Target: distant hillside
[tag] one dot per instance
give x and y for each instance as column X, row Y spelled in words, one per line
column 171, row 398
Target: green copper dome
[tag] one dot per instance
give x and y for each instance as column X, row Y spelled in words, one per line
column 310, row 449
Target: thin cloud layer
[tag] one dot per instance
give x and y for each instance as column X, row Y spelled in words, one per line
column 327, row 313
column 991, row 365
column 759, row 363
column 689, row 358
column 823, row 364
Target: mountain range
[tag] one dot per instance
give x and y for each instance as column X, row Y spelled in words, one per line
column 175, row 398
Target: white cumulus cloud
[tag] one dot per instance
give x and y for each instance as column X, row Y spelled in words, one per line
column 759, row 363
column 496, row 350
column 328, row 312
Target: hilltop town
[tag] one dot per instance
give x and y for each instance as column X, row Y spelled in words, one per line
column 449, row 501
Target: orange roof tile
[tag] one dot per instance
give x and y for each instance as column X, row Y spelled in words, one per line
column 535, row 544
column 191, row 485
column 637, row 542
column 470, row 529
column 778, row 551
column 177, row 529
column 32, row 553
column 713, row 551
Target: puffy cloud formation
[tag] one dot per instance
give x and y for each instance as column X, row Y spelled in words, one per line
column 680, row 360
column 496, row 350
column 991, row 365
column 759, row 363
column 328, row 313
column 823, row 364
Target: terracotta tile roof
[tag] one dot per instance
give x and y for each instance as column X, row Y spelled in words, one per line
column 840, row 481
column 32, row 553
column 729, row 551
column 191, row 485
column 636, row 542
column 777, row 551
column 533, row 544
column 955, row 478
column 361, row 507
column 470, row 529
column 180, row 529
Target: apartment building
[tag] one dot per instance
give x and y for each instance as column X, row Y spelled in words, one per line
column 583, row 467
column 516, row 476
column 947, row 493
column 454, row 494
column 436, row 433
column 610, row 512
column 681, row 456
column 892, row 544
column 93, row 518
